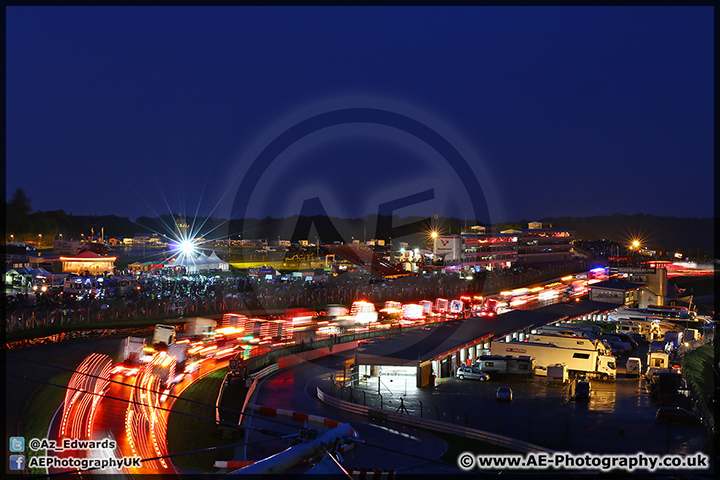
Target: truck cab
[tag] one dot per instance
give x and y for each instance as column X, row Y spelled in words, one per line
column 607, row 368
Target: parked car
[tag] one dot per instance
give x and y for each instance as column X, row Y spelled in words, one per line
column 504, row 394
column 618, row 347
column 624, row 337
column 639, row 339
column 677, row 415
column 583, row 391
column 471, row 372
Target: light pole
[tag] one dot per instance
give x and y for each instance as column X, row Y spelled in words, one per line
column 39, row 239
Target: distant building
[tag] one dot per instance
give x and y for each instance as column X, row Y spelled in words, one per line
column 88, row 262
column 541, row 243
column 616, row 292
column 148, row 239
column 182, row 229
column 477, row 250
column 488, row 251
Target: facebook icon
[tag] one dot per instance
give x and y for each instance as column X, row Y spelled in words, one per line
column 17, row 462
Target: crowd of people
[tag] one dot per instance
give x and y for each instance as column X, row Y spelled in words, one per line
column 157, row 296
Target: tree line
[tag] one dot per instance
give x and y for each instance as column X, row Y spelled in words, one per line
column 691, row 236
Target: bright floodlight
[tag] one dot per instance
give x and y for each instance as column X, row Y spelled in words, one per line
column 636, row 243
column 434, row 234
column 187, row 247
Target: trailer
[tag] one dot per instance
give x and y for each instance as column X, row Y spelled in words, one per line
column 179, row 352
column 557, row 374
column 568, row 341
column 504, row 365
column 563, row 330
column 577, row 360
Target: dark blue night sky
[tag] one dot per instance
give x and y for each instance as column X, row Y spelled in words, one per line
column 555, row 111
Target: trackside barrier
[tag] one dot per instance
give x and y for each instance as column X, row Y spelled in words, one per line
column 265, row 371
column 372, row 474
column 487, row 437
column 250, row 395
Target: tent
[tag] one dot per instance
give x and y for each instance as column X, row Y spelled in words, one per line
column 194, row 263
column 218, row 263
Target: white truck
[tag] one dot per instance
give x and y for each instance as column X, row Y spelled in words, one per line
column 577, row 360
column 198, row 327
column 164, row 334
column 179, row 352
column 568, row 341
column 131, row 350
column 456, row 307
column 504, row 365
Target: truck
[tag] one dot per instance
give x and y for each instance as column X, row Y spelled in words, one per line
column 441, row 305
column 658, row 360
column 131, row 350
column 456, row 307
column 130, row 356
column 164, row 334
column 590, row 362
column 51, row 280
column 504, row 365
column 199, row 327
column 179, row 352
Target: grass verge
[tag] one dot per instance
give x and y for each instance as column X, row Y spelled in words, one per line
column 39, row 411
column 186, row 434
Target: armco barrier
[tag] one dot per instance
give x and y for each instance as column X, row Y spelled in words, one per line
column 487, row 437
column 372, row 474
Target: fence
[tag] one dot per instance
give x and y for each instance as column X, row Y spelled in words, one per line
column 35, row 317
column 682, row 349
column 440, row 426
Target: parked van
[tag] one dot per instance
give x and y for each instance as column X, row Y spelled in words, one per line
column 632, row 367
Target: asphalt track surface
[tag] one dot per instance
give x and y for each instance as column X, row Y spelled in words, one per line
column 295, row 389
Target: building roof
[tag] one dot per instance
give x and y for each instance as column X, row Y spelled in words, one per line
column 617, row 285
column 576, row 309
column 440, row 339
